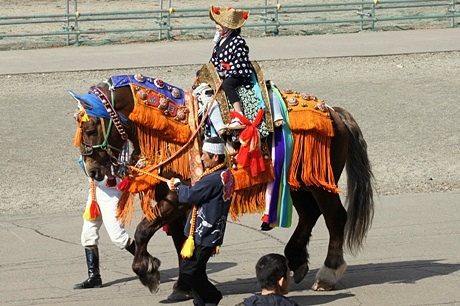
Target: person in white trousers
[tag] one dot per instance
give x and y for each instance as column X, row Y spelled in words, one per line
column 107, row 197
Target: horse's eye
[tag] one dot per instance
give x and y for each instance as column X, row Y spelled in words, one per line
column 91, row 133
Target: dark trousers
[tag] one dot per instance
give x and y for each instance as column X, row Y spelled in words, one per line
column 229, row 86
column 193, row 272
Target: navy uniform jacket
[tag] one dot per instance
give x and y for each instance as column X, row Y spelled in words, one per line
column 235, row 52
column 212, row 194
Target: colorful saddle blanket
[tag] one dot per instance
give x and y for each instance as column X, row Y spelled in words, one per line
column 158, row 105
column 173, row 93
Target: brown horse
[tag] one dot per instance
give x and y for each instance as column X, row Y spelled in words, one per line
column 347, row 226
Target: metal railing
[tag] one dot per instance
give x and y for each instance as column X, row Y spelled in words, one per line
column 172, row 23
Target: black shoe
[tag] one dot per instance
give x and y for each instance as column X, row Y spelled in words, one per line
column 91, row 282
column 265, row 227
column 92, row 261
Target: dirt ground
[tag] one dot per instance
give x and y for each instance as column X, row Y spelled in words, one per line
column 407, row 107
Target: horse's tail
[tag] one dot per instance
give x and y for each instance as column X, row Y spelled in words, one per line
column 360, row 200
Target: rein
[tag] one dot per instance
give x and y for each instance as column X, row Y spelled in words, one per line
column 116, row 121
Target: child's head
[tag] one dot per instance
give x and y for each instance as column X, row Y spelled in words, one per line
column 272, row 272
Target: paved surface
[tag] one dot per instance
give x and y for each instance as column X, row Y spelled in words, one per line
column 198, row 52
column 412, row 256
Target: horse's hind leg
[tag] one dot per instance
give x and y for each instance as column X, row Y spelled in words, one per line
column 296, row 250
column 335, row 217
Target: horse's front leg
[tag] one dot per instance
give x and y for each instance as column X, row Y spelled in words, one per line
column 173, row 213
column 145, row 265
column 296, row 250
column 335, row 217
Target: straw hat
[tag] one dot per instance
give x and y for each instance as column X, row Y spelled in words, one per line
column 228, row 17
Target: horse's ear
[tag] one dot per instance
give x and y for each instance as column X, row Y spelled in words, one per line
column 80, row 99
column 86, row 105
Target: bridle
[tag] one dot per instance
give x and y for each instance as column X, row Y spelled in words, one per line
column 115, row 121
column 87, row 149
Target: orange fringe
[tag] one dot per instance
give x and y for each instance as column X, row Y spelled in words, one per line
column 244, row 178
column 155, row 149
column 153, row 118
column 77, row 139
column 248, row 201
column 310, row 120
column 159, row 138
column 149, row 212
column 125, row 208
column 311, row 156
column 142, row 182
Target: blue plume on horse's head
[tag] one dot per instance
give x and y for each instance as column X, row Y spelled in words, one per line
column 92, row 104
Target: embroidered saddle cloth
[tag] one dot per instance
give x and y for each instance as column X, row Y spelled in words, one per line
column 158, row 106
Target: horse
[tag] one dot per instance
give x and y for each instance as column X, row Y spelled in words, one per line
column 347, row 224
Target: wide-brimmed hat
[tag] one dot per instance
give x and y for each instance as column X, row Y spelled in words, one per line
column 228, row 17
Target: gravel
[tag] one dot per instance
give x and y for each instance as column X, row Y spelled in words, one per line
column 407, row 107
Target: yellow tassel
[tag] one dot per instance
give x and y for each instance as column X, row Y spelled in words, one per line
column 189, row 244
column 188, row 247
column 92, row 211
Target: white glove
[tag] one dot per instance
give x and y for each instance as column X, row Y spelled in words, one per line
column 173, row 183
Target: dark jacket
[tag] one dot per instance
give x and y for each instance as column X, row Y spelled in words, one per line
column 212, row 194
column 235, row 52
column 268, row 300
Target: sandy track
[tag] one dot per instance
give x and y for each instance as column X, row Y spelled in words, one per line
column 406, row 105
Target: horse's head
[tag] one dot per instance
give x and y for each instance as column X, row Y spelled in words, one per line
column 100, row 146
column 102, row 130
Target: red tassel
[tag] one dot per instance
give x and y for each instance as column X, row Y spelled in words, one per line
column 166, row 229
column 124, row 184
column 94, row 210
column 111, row 182
column 265, row 218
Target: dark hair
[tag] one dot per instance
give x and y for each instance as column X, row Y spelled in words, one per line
column 216, row 140
column 270, row 269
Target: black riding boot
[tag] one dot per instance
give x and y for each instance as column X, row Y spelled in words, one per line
column 92, row 261
column 131, row 247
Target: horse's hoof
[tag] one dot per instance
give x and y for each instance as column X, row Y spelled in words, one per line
column 326, row 278
column 321, row 286
column 154, row 288
column 180, row 295
column 300, row 273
